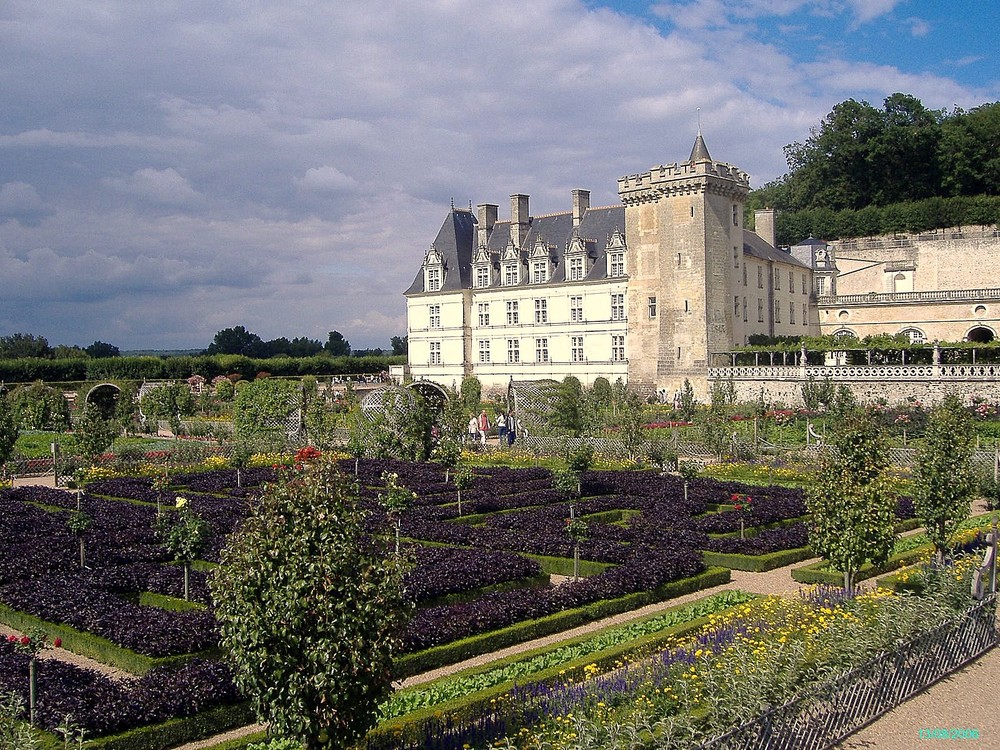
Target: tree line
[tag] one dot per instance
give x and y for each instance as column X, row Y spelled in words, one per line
column 867, row 170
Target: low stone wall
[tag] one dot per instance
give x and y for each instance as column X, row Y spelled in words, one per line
column 895, row 383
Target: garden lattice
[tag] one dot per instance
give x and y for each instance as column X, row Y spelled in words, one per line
column 823, row 716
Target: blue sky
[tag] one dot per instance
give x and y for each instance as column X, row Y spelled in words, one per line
column 170, row 169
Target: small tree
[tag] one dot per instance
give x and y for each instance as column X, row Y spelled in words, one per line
column 94, row 434
column 447, row 453
column 463, row 480
column 8, row 429
column 576, row 527
column 78, row 522
column 184, row 537
column 310, row 608
column 852, row 506
column 943, row 478
column 396, row 498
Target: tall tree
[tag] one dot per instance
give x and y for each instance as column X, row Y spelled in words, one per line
column 100, row 350
column 337, row 345
column 400, row 344
column 8, row 429
column 19, row 345
column 237, row 340
column 310, row 609
column 852, row 505
column 943, row 479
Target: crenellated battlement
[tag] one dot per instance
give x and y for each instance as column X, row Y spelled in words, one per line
column 684, row 177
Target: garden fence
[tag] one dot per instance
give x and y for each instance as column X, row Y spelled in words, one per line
column 824, row 715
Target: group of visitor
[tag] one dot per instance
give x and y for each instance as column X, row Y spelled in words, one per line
column 505, row 425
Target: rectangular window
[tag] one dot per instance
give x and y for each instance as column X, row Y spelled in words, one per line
column 510, row 274
column 435, row 353
column 434, row 316
column 575, row 268
column 617, row 348
column 744, row 309
column 484, row 350
column 803, row 283
column 736, row 307
column 576, row 348
column 791, row 282
column 576, row 309
column 482, row 276
column 484, row 313
column 513, row 318
column 736, row 215
column 513, row 350
column 820, row 286
column 541, row 311
column 651, row 307
column 617, row 264
column 744, row 274
column 760, row 277
column 736, row 257
column 541, row 350
column 777, row 311
column 433, row 279
column 791, row 312
column 618, row 307
column 539, row 272
column 805, row 316
column 760, row 311
column 777, row 278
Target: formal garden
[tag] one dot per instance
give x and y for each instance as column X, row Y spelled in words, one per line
column 352, row 589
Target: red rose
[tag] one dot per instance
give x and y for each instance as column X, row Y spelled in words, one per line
column 57, row 642
column 739, row 506
column 25, row 640
column 12, row 638
column 749, row 499
column 734, row 497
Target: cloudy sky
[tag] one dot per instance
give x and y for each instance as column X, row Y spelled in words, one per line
column 174, row 168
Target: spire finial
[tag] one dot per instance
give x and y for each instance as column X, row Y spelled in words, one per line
column 698, row 110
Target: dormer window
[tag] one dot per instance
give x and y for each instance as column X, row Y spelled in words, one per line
column 616, row 255
column 540, row 262
column 578, row 258
column 539, row 271
column 433, row 271
column 482, row 268
column 510, row 265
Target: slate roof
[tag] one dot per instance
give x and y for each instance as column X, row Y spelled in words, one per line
column 456, row 241
column 757, row 247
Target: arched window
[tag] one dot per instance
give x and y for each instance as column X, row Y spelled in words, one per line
column 980, row 335
column 844, row 333
column 915, row 335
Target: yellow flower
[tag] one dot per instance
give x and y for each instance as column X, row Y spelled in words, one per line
column 180, row 502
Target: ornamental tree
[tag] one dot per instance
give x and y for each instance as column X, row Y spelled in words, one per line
column 184, row 537
column 852, row 505
column 943, row 478
column 8, row 429
column 310, row 609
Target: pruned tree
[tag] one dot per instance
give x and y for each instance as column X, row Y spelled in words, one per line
column 310, row 609
column 853, row 508
column 943, row 477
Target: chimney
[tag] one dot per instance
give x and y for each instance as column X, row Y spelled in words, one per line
column 581, row 202
column 519, row 220
column 763, row 219
column 486, row 217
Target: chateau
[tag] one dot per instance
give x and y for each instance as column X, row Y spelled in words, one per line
column 654, row 289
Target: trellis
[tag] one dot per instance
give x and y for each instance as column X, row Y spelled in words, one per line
column 822, row 716
column 531, row 401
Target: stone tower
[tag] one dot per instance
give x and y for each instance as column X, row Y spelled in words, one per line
column 684, row 231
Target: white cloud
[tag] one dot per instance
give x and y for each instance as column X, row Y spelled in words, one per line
column 188, row 167
column 918, row 27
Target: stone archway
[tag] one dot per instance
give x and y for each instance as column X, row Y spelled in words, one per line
column 980, row 335
column 103, row 397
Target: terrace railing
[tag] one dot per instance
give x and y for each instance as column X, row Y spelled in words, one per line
column 824, row 715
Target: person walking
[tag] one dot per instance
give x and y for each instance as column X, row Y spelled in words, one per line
column 501, row 428
column 484, row 425
column 511, row 429
column 473, row 428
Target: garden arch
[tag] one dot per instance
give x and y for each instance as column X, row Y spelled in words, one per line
column 103, row 397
